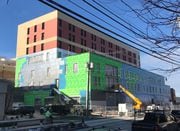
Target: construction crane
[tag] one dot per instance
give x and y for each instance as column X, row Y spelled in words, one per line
column 137, row 101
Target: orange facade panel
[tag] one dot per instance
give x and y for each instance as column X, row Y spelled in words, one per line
column 50, row 45
column 38, row 48
column 49, row 30
column 35, row 32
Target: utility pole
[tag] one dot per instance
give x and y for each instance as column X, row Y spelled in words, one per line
column 90, row 67
column 3, row 71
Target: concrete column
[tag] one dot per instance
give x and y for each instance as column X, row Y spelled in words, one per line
column 3, row 91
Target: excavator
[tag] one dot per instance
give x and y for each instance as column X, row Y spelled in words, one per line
column 137, row 101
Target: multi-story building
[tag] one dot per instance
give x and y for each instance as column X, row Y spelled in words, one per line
column 58, row 30
column 7, row 69
column 49, row 47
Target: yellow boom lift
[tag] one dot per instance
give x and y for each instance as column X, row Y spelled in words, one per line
column 137, row 101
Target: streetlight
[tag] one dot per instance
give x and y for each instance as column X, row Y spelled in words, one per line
column 90, row 67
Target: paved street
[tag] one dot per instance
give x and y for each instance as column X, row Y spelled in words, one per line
column 123, row 124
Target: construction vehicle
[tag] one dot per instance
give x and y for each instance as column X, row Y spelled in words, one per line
column 59, row 103
column 137, row 101
column 157, row 120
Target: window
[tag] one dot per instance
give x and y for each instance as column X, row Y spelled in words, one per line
column 35, row 28
column 129, row 59
column 43, row 25
column 27, row 50
column 135, row 62
column 28, row 31
column 34, row 49
column 83, row 42
column 42, row 47
column 111, row 74
column 97, row 81
column 93, row 46
column 34, row 38
column 110, row 52
column 124, row 57
column 69, row 37
column 71, row 27
column 59, row 54
column 27, row 40
column 83, row 33
column 59, row 44
column 47, row 56
column 71, row 48
column 124, row 51
column 102, row 41
column 93, row 37
column 117, row 47
column 48, row 71
column 32, row 74
column 103, row 49
column 75, row 68
column 118, row 55
column 60, row 22
column 110, row 45
column 129, row 53
column 96, row 68
column 42, row 36
column 59, row 33
column 73, row 38
column 134, row 55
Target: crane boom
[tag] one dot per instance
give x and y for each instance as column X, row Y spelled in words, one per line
column 138, row 103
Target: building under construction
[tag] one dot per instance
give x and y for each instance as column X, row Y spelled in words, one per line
column 57, row 49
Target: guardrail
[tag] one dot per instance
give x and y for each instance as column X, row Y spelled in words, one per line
column 41, row 124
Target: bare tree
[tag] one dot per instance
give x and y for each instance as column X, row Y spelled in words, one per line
column 162, row 18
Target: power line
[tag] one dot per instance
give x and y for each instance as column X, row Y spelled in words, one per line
column 153, row 51
column 123, row 32
column 60, row 8
column 112, row 13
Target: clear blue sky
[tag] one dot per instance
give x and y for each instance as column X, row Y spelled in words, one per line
column 19, row 11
